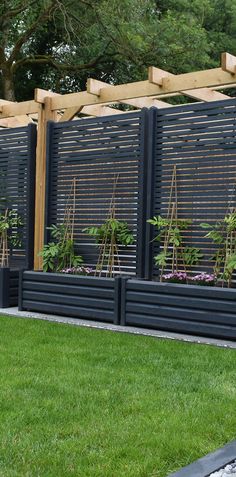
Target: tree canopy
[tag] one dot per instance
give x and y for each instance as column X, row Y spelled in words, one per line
column 57, row 44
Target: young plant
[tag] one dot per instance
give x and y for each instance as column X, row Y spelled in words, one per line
column 174, row 251
column 223, row 236
column 191, row 256
column 60, row 254
column 108, row 237
column 112, row 228
column 10, row 234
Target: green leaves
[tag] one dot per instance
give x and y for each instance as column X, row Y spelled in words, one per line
column 11, row 224
column 161, row 258
column 192, row 256
column 170, row 231
column 216, row 231
column 60, row 254
column 111, row 227
column 223, row 235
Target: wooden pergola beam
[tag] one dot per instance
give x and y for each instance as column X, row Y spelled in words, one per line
column 156, row 75
column 94, row 110
column 228, row 63
column 95, row 86
column 100, row 110
column 205, row 94
column 14, row 121
column 18, row 109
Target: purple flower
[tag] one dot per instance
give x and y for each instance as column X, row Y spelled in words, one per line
column 175, row 277
column 203, row 279
column 78, row 271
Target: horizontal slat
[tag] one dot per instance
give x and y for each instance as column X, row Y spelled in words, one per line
column 70, row 279
column 181, row 326
column 65, row 288
column 185, row 290
column 182, row 302
column 91, row 303
column 78, row 312
column 181, row 313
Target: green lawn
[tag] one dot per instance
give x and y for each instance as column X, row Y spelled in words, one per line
column 88, row 403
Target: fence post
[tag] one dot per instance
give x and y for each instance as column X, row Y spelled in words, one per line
column 4, row 287
column 45, row 114
column 47, row 221
column 150, row 209
column 30, row 202
column 142, row 196
column 20, row 290
column 117, row 298
column 123, row 301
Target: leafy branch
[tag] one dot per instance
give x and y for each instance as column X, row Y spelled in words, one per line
column 223, row 235
column 170, row 231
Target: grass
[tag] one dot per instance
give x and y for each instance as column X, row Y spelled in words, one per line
column 87, row 403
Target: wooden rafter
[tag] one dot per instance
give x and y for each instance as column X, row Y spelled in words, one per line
column 15, row 121
column 18, row 109
column 228, row 63
column 95, row 87
column 156, row 76
column 68, row 114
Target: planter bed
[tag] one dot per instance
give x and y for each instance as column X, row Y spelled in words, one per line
column 92, row 298
column 9, row 280
column 199, row 310
column 211, row 463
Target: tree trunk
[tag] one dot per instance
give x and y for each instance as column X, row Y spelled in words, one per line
column 8, row 85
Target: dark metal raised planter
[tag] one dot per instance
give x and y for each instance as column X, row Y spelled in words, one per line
column 210, row 463
column 9, row 280
column 199, row 310
column 92, row 298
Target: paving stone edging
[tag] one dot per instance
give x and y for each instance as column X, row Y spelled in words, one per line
column 210, row 463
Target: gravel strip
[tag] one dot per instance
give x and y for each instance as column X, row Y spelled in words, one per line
column 228, row 471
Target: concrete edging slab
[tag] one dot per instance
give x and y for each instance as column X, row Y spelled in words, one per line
column 210, row 463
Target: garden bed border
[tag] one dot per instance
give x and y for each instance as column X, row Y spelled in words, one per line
column 199, row 310
column 189, row 309
column 88, row 297
column 9, row 280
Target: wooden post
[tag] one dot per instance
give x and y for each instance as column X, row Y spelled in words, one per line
column 45, row 114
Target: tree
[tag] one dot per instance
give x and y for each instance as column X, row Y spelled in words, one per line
column 57, row 44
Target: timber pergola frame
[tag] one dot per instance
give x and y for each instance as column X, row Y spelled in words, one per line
column 96, row 101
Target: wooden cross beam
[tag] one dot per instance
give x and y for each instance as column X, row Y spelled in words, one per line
column 68, row 114
column 156, row 76
column 228, row 63
column 10, row 109
column 95, row 87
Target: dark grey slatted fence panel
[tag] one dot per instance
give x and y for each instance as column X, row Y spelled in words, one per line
column 94, row 151
column 17, row 177
column 200, row 140
column 207, row 311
